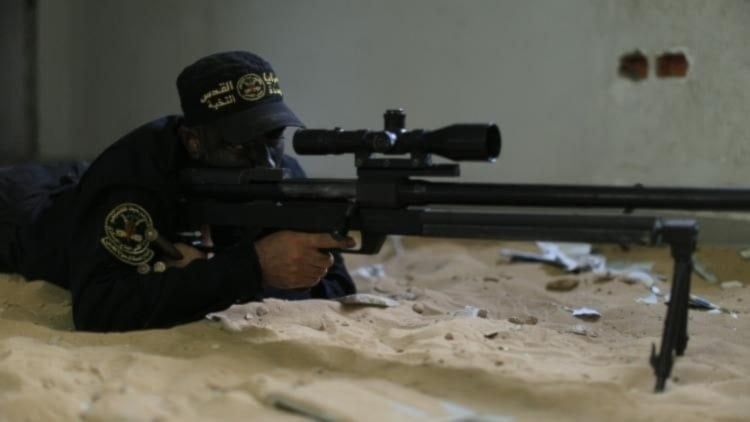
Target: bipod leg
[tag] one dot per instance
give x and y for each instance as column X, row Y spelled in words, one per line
column 682, row 236
column 685, row 269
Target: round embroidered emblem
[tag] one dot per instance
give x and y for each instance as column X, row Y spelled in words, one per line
column 125, row 229
column 251, row 87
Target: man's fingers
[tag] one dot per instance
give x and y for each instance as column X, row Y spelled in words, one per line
column 326, row 241
column 189, row 254
column 320, row 259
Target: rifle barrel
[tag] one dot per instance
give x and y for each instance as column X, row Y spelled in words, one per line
column 424, row 192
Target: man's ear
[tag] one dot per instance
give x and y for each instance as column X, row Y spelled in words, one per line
column 191, row 141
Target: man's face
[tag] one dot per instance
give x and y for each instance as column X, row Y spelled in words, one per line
column 264, row 151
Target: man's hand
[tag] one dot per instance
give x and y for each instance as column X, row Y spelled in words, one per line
column 189, row 254
column 293, row 260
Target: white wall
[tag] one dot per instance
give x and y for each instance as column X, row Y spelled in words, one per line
column 544, row 70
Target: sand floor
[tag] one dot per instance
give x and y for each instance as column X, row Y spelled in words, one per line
column 517, row 355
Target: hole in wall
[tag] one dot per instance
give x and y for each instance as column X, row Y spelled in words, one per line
column 672, row 65
column 633, row 66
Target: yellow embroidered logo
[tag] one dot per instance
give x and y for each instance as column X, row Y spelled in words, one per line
column 219, row 97
column 272, row 83
column 125, row 229
column 251, row 87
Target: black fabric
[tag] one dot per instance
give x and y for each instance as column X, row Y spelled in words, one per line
column 8, row 235
column 25, row 191
column 66, row 243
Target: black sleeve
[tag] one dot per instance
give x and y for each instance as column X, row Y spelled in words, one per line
column 336, row 283
column 110, row 294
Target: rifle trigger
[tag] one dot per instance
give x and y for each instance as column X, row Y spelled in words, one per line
column 339, row 233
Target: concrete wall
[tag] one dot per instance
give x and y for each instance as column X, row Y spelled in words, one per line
column 17, row 73
column 544, row 70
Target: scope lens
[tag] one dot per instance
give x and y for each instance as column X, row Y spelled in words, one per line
column 494, row 142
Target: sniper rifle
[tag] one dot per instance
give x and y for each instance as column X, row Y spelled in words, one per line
column 386, row 199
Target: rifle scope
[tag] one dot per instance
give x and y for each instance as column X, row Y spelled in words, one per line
column 458, row 142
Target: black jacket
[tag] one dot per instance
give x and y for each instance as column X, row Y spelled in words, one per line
column 91, row 240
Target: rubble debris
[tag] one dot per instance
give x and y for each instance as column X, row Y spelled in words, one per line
column 703, row 271
column 733, row 284
column 651, row 299
column 586, row 314
column 374, row 271
column 467, row 311
column 367, row 300
column 572, row 257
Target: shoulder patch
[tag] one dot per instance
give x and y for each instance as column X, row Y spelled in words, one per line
column 125, row 237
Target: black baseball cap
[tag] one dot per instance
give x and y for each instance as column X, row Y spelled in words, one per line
column 237, row 92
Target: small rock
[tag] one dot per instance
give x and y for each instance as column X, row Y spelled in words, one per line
column 449, row 336
column 482, row 313
column 589, row 317
column 261, row 310
column 417, row 307
column 581, row 330
column 524, row 320
column 603, row 277
column 491, row 335
column 562, row 285
column 495, row 279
